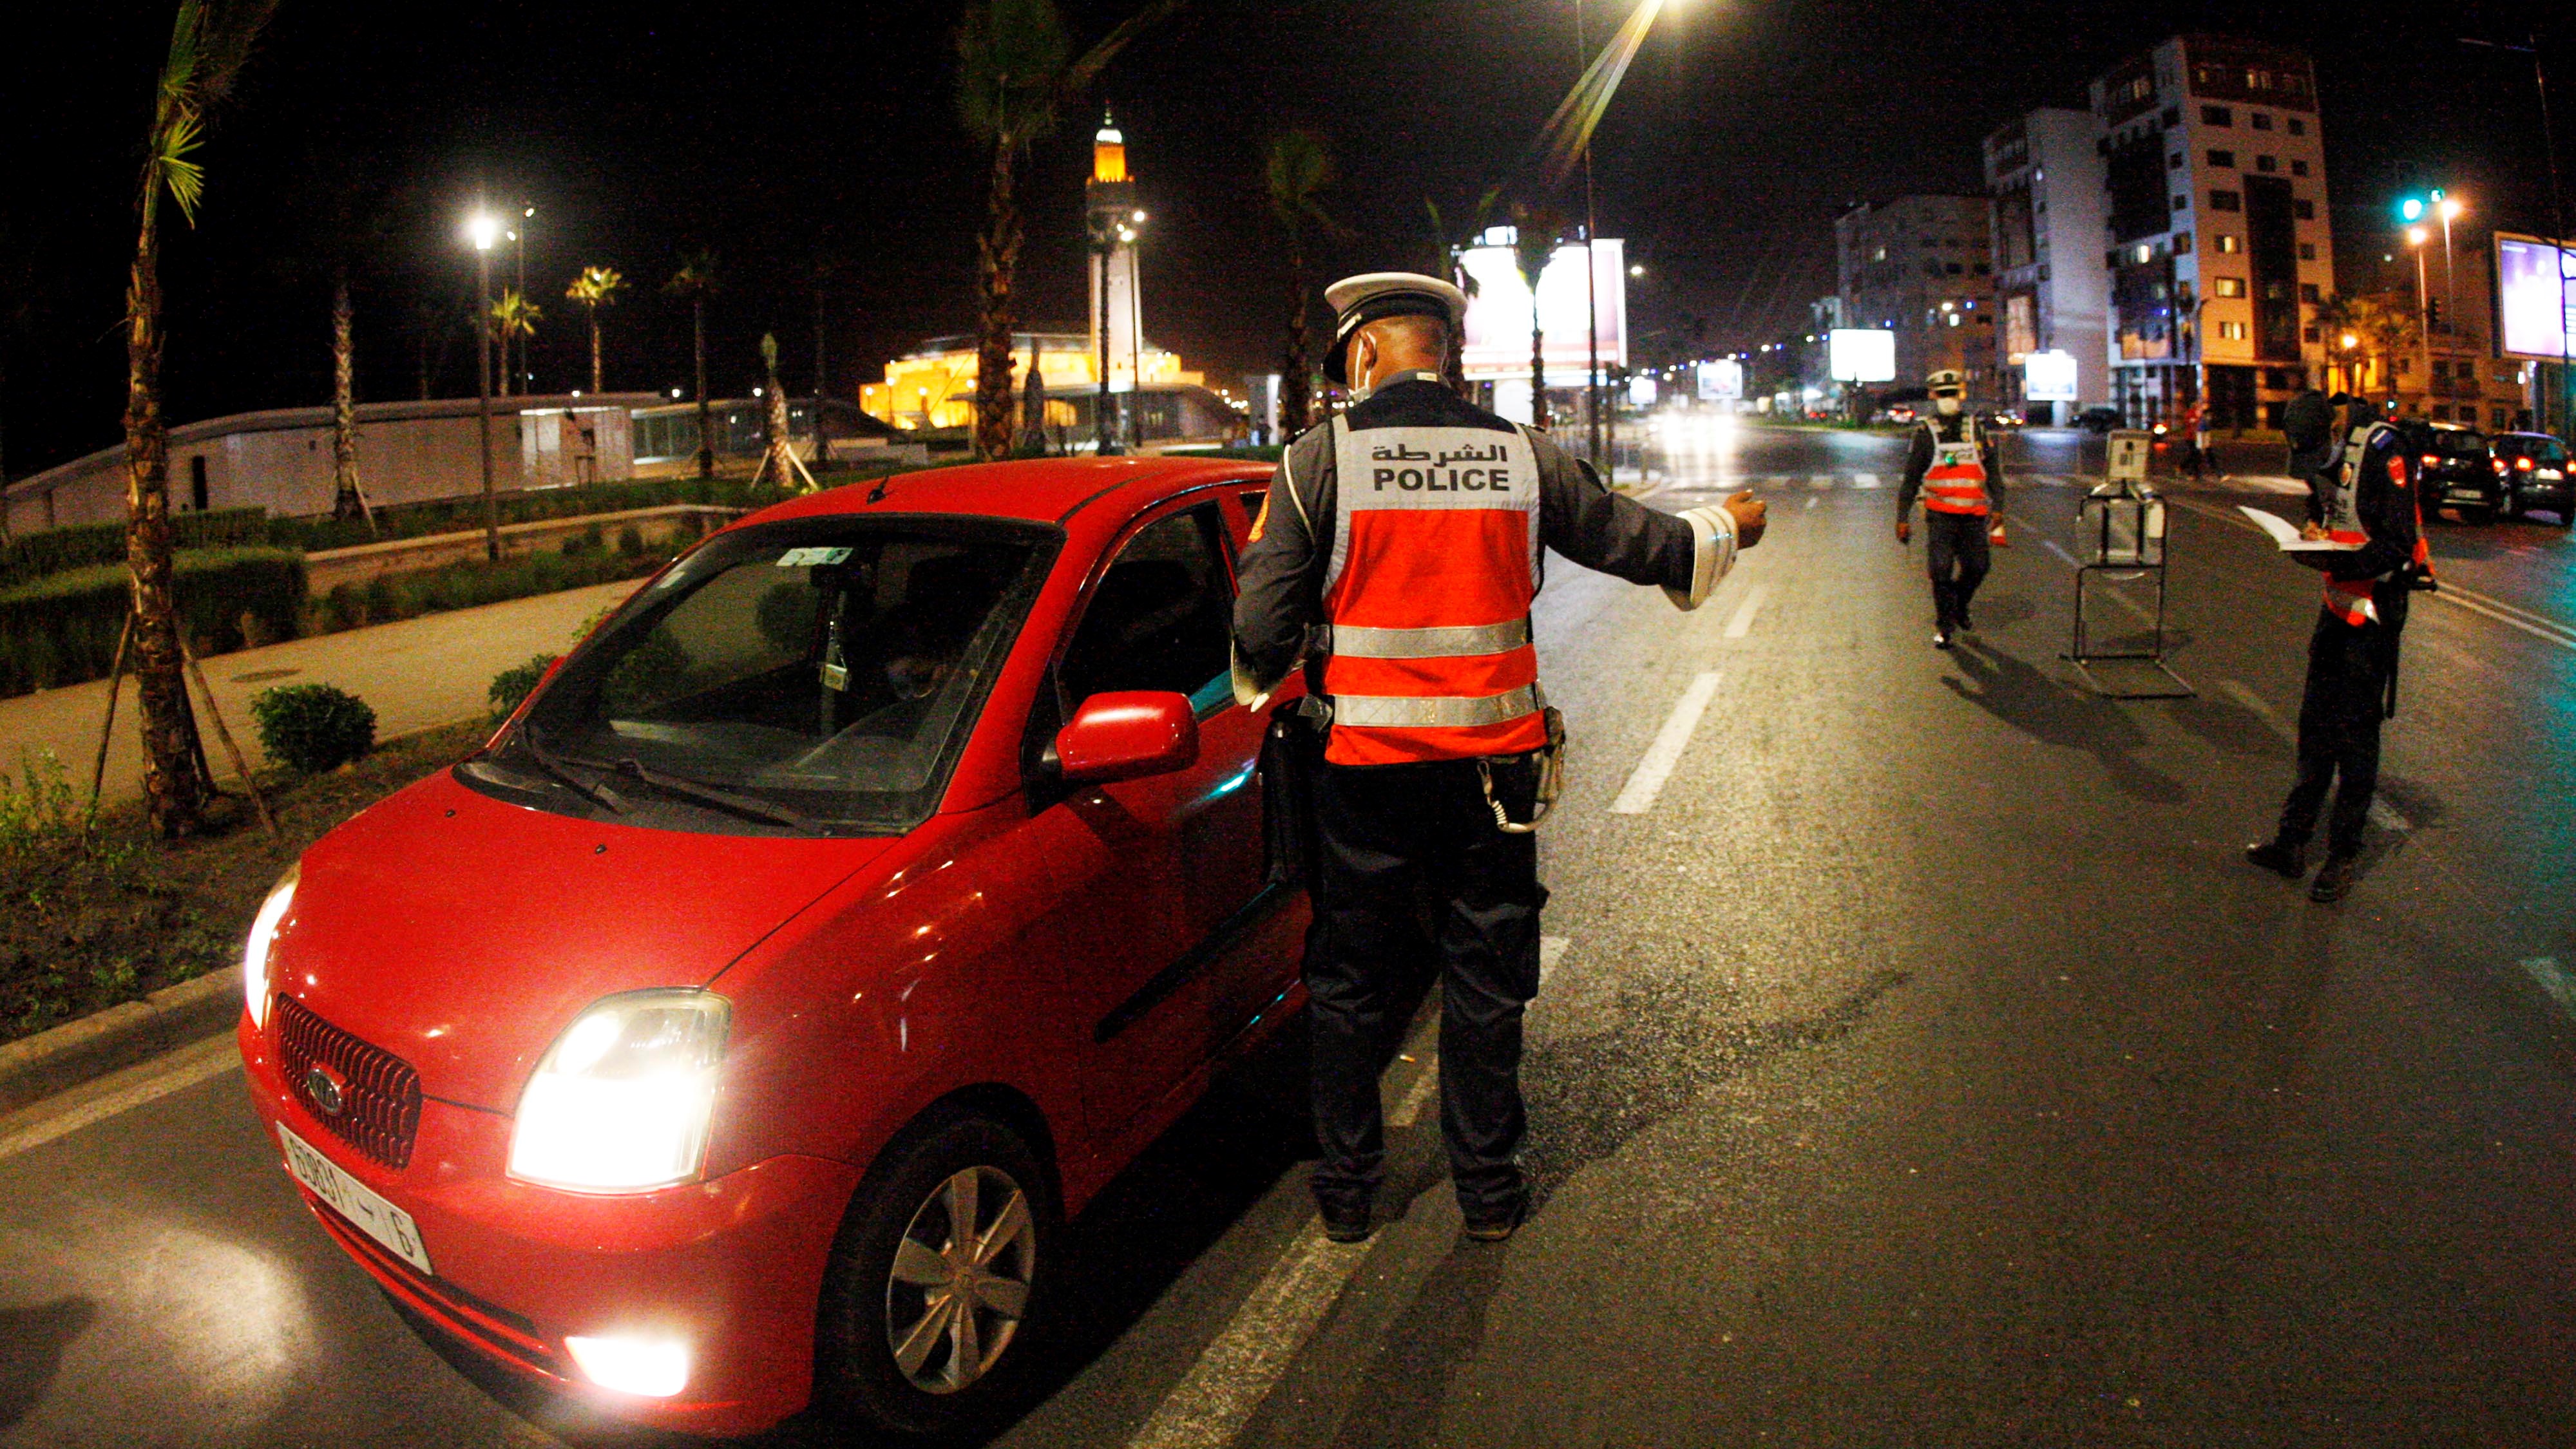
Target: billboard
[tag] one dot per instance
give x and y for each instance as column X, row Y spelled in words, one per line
column 2535, row 301
column 1498, row 312
column 2048, row 377
column 1721, row 381
column 1861, row 354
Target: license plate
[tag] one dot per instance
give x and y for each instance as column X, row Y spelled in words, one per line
column 354, row 1200
column 2551, row 474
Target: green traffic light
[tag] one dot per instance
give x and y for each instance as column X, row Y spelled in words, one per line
column 2411, row 209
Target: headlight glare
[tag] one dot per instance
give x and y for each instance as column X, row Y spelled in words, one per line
column 621, row 1102
column 256, row 947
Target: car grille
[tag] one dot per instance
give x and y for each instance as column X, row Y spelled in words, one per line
column 379, row 1092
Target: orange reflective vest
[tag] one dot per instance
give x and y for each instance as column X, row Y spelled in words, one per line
column 1427, row 596
column 2350, row 599
column 1956, row 481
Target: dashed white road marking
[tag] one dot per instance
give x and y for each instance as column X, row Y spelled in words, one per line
column 2551, row 978
column 1647, row 781
column 1212, row 1403
column 2054, row 547
column 2382, row 814
column 118, row 1093
column 1409, row 1110
column 1551, row 951
column 1864, row 480
column 1741, row 622
column 1821, row 481
column 1811, row 504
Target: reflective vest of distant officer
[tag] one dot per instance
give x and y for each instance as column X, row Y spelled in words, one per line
column 2370, row 507
column 1398, row 555
column 1956, row 468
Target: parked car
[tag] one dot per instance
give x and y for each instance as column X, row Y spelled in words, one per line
column 740, row 1027
column 2533, row 467
column 2453, row 469
column 2099, row 418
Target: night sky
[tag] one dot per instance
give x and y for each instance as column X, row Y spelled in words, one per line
column 790, row 137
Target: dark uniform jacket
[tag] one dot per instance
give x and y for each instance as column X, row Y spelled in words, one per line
column 1282, row 571
column 1918, row 461
column 2387, row 511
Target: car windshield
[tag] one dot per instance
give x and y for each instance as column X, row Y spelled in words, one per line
column 817, row 676
column 2454, row 444
column 2539, row 450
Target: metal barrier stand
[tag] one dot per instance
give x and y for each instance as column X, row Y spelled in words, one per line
column 2120, row 530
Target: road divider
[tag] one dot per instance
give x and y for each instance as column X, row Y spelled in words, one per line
column 1647, row 780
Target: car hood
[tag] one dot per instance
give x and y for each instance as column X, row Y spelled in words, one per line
column 464, row 933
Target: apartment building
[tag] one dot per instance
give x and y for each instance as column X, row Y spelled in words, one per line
column 2044, row 173
column 2220, row 248
column 1921, row 267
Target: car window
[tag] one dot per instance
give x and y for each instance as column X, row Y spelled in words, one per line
column 2460, row 445
column 1159, row 618
column 821, row 672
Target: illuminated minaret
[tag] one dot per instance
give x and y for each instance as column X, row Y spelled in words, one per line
column 1116, row 220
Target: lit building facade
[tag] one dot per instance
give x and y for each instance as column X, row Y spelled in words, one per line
column 1921, row 267
column 2044, row 172
column 2220, row 247
column 934, row 385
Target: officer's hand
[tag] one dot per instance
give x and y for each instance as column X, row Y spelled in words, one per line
column 1751, row 516
column 1905, row 530
column 1996, row 537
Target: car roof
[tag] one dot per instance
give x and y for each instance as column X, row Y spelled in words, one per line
column 1042, row 490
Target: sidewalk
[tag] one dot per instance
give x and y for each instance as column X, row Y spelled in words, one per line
column 419, row 673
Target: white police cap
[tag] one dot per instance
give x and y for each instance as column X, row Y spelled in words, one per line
column 1358, row 301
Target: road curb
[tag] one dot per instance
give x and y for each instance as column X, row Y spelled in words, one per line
column 79, row 1051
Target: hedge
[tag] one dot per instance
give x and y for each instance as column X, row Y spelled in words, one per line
column 62, row 629
column 58, row 550
column 390, row 597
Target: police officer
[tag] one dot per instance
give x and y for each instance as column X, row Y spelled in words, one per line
column 1955, row 465
column 2316, row 444
column 2352, row 657
column 1397, row 556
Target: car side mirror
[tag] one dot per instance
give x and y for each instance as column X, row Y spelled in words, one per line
column 1127, row 735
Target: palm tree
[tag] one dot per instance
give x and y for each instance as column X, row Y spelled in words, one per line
column 1016, row 76
column 595, row 288
column 2384, row 322
column 515, row 317
column 1537, row 230
column 1296, row 171
column 348, row 500
column 696, row 280
column 210, row 41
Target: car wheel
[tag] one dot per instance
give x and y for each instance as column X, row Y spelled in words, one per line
column 935, row 1283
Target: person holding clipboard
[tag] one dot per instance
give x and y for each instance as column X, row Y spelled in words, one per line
column 2367, row 541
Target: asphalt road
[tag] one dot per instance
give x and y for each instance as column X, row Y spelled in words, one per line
column 1917, row 1065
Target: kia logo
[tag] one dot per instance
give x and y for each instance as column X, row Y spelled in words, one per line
column 324, row 1091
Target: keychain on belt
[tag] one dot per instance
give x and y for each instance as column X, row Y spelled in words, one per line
column 1551, row 778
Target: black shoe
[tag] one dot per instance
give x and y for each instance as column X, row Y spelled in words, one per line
column 1346, row 1222
column 1966, row 624
column 2334, row 882
column 1941, row 637
column 1495, row 1229
column 2279, row 858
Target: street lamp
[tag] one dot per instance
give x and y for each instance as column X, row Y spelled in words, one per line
column 1110, row 229
column 484, row 229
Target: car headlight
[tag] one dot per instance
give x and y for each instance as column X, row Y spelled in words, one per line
column 621, row 1101
column 262, row 938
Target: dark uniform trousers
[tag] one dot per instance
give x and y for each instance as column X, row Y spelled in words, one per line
column 2339, row 717
column 1957, row 547
column 1392, row 835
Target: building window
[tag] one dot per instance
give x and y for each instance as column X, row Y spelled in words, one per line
column 2173, row 162
column 198, row 496
column 2231, row 331
column 2217, row 116
column 2313, row 335
column 2298, row 127
column 2182, row 203
column 2496, row 419
column 2266, row 163
column 2225, row 201
column 2307, row 210
column 2231, row 244
column 2298, row 168
column 2224, row 159
column 2182, row 244
column 2227, row 286
column 2441, row 369
column 2307, row 251
column 2262, row 122
column 2308, row 292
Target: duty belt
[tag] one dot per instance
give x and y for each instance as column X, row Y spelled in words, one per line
column 1464, row 641
column 1415, row 712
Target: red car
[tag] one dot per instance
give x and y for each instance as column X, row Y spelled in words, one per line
column 738, row 1029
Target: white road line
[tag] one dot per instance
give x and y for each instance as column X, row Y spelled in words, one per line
column 1410, row 1109
column 1551, row 952
column 1821, row 481
column 1741, row 623
column 1864, row 480
column 2052, row 546
column 1212, row 1403
column 119, row 1093
column 1666, row 752
column 2546, row 973
column 1811, row 503
column 2504, row 614
column 2382, row 814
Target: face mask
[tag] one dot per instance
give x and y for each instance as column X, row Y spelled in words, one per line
column 1947, row 407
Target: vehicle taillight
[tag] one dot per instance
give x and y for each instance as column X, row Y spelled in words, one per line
column 2522, row 463
column 2431, row 459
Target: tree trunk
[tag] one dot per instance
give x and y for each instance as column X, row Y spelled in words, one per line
column 999, row 258
column 347, row 501
column 706, row 412
column 1538, row 365
column 596, row 372
column 1296, row 366
column 174, row 787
